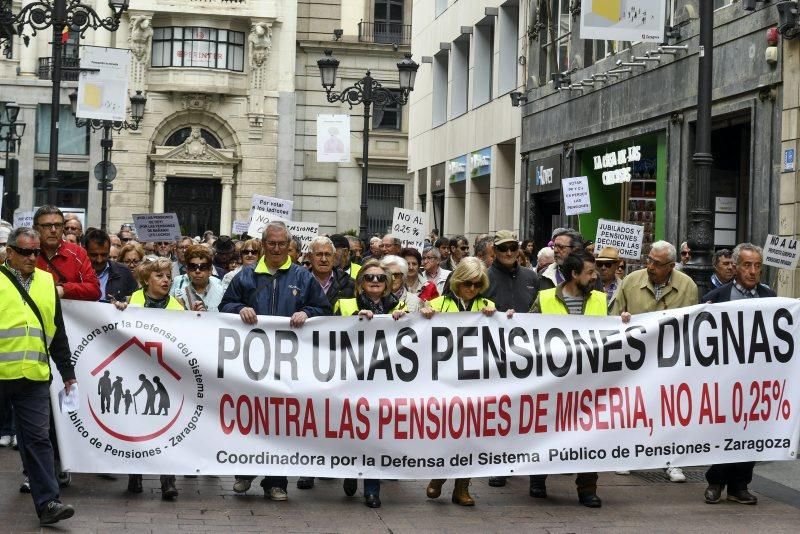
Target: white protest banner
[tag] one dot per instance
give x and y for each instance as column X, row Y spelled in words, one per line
column 303, row 231
column 410, row 227
column 576, row 195
column 103, row 94
column 240, row 227
column 333, row 138
column 23, row 219
column 259, row 219
column 623, row 20
column 625, row 237
column 458, row 395
column 276, row 206
column 780, row 252
column 156, row 227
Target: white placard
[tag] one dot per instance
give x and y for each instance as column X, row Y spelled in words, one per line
column 623, row 20
column 333, row 138
column 725, row 204
column 156, row 227
column 103, row 94
column 23, row 218
column 240, row 227
column 259, row 220
column 410, row 227
column 576, row 195
column 780, row 252
column 305, row 232
column 625, row 237
column 277, row 206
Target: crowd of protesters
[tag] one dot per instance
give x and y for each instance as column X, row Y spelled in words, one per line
column 338, row 275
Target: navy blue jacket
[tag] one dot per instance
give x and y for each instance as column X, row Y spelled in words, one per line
column 723, row 293
column 292, row 289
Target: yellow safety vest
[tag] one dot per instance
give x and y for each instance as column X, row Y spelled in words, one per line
column 137, row 300
column 348, row 307
column 23, row 345
column 550, row 304
column 446, row 304
column 354, row 269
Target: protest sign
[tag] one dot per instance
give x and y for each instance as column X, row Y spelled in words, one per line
column 409, row 227
column 240, row 227
column 276, row 206
column 623, row 20
column 333, row 138
column 780, row 252
column 625, row 237
column 259, row 220
column 457, row 395
column 304, row 232
column 23, row 219
column 576, row 195
column 156, row 227
column 103, row 91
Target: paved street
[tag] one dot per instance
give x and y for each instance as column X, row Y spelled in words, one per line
column 634, row 503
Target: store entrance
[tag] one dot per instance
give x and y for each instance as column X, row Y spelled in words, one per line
column 196, row 202
column 730, row 176
column 545, row 216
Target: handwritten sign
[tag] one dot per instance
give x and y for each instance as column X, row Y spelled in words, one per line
column 780, row 252
column 276, row 206
column 576, row 195
column 625, row 237
column 240, row 227
column 305, row 232
column 103, row 92
column 23, row 219
column 156, row 227
column 410, row 227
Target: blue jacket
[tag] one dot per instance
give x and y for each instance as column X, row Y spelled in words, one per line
column 291, row 290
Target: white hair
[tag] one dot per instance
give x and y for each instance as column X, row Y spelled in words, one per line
column 737, row 250
column 395, row 260
column 320, row 241
column 280, row 226
column 544, row 252
column 660, row 246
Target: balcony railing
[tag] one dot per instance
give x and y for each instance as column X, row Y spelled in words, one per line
column 46, row 68
column 384, row 32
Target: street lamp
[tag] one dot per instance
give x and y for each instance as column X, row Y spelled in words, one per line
column 58, row 14
column 11, row 133
column 369, row 92
column 138, row 102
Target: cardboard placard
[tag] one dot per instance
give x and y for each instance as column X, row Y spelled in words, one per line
column 305, row 232
column 780, row 252
column 276, row 206
column 410, row 227
column 23, row 219
column 625, row 237
column 240, row 227
column 156, row 227
column 576, row 195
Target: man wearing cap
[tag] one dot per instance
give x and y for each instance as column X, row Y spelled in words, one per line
column 607, row 262
column 343, row 254
column 224, row 252
column 511, row 287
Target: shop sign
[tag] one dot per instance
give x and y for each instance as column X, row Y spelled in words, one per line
column 617, row 163
column 480, row 163
column 457, row 169
column 545, row 174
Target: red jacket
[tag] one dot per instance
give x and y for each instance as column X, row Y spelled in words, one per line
column 72, row 270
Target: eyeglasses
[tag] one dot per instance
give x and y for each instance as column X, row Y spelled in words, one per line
column 685, row 252
column 198, row 266
column 276, row 244
column 323, row 255
column 507, row 247
column 397, row 276
column 375, row 278
column 561, row 247
column 469, row 284
column 25, row 251
column 132, row 263
column 53, row 226
column 464, row 248
column 249, row 252
column 430, row 258
column 652, row 261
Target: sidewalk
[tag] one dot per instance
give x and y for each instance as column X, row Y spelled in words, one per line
column 636, row 503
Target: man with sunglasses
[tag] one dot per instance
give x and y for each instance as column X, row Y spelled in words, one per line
column 459, row 248
column 30, row 315
column 686, row 256
column 607, row 262
column 657, row 287
column 68, row 263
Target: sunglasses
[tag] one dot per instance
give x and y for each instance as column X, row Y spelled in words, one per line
column 397, row 275
column 507, row 247
column 249, row 252
column 25, row 251
column 375, row 278
column 198, row 266
column 471, row 285
column 604, row 264
column 125, row 239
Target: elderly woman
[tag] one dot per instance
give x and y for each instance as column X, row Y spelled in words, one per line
column 415, row 281
column 197, row 289
column 131, row 255
column 467, row 284
column 397, row 269
column 373, row 297
column 155, row 276
column 250, row 253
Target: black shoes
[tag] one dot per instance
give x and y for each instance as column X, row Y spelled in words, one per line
column 168, row 490
column 372, row 501
column 135, row 483
column 713, row 493
column 350, row 485
column 54, row 512
column 305, row 482
column 538, row 492
column 25, row 487
column 590, row 499
column 741, row 496
column 497, row 482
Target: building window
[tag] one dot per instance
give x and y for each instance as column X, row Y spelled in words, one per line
column 198, row 47
column 388, row 21
column 390, row 116
column 441, row 65
column 508, row 23
column 71, row 139
column 179, row 137
column 559, row 27
column 441, row 6
column 483, row 78
column 382, row 199
column 719, row 4
column 73, row 189
column 460, row 82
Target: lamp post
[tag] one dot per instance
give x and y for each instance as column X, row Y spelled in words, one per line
column 369, row 92
column 701, row 232
column 11, row 133
column 58, row 14
column 138, row 102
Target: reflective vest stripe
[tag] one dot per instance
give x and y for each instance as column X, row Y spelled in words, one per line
column 17, row 332
column 551, row 304
column 40, row 357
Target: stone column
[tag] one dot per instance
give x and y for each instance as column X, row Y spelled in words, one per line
column 225, row 220
column 28, row 55
column 158, row 193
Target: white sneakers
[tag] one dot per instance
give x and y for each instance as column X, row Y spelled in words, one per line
column 5, row 441
column 624, row 473
column 277, row 494
column 675, row 474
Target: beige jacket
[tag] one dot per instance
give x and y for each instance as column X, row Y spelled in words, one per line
column 637, row 294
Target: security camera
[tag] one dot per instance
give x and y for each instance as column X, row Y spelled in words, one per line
column 788, row 16
column 517, row 98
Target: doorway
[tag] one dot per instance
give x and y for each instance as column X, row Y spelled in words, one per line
column 197, row 203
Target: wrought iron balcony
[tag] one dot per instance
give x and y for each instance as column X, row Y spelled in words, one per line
column 46, row 68
column 384, row 32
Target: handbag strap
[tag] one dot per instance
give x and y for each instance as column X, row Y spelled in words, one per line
column 30, row 302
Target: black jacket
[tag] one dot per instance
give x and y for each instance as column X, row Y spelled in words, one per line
column 514, row 289
column 723, row 293
column 342, row 287
column 121, row 283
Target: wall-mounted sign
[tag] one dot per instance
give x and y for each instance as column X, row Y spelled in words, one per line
column 623, row 20
column 480, row 163
column 103, row 91
column 545, row 174
column 438, row 178
column 788, row 160
column 333, row 138
column 457, row 169
column 618, row 162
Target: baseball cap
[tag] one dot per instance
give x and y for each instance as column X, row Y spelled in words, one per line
column 504, row 236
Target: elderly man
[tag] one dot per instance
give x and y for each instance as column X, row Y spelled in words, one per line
column 179, row 266
column 116, row 280
column 289, row 291
column 433, row 273
column 544, row 258
column 657, row 287
column 459, row 248
column 686, row 255
column 73, row 226
column 724, row 268
column 390, row 245
column 356, row 249
column 746, row 284
column 484, row 250
column 165, row 249
column 374, row 252
column 125, row 235
column 295, row 250
column 607, row 262
column 31, row 333
column 224, row 251
column 565, row 241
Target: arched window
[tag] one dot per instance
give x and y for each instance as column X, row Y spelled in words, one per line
column 178, row 138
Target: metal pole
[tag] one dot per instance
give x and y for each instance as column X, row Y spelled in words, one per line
column 107, row 142
column 367, row 88
column 701, row 234
column 59, row 15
